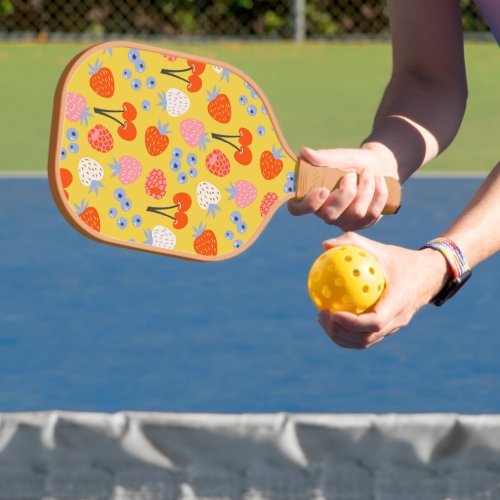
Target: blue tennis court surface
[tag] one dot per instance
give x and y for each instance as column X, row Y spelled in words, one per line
column 91, row 327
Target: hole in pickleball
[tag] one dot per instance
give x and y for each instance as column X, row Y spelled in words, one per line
column 317, row 301
column 330, row 268
column 366, row 289
column 356, row 273
column 362, row 254
column 379, row 288
column 348, row 258
column 336, row 306
column 316, row 276
column 326, row 292
column 339, row 281
column 359, row 310
column 346, row 299
column 372, row 270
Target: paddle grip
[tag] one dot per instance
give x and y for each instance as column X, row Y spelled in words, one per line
column 311, row 177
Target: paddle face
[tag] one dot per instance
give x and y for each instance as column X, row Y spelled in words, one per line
column 166, row 152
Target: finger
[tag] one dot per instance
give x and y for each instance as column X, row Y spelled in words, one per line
column 339, row 199
column 311, row 203
column 361, row 340
column 339, row 335
column 364, row 196
column 356, row 215
column 380, row 197
column 348, row 238
column 362, row 324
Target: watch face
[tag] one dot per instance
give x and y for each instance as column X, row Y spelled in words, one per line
column 451, row 288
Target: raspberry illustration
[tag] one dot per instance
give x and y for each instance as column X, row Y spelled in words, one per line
column 100, row 139
column 156, row 184
column 217, row 163
column 267, row 202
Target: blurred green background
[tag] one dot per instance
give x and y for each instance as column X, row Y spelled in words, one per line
column 323, row 93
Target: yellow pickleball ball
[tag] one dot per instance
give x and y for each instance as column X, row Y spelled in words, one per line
column 346, row 278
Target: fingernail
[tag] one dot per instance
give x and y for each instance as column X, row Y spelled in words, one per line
column 323, row 194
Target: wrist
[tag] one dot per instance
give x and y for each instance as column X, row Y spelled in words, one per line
column 388, row 165
column 437, row 273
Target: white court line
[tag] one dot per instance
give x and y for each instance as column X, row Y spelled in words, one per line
column 453, row 174
column 23, row 175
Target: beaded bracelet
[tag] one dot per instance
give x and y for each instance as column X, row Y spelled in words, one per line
column 459, row 267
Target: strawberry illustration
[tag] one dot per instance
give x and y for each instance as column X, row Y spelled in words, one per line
column 91, row 174
column 101, row 80
column 271, row 164
column 89, row 215
column 156, row 139
column 208, row 196
column 127, row 169
column 243, row 194
column 156, row 184
column 100, row 138
column 219, row 106
column 160, row 237
column 205, row 242
column 193, row 132
column 174, row 102
column 217, row 163
column 76, row 108
column 267, row 202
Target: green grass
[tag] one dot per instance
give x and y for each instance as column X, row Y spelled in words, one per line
column 324, row 95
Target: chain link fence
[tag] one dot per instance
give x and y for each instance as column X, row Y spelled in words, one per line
column 285, row 19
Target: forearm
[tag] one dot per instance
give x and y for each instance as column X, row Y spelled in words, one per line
column 416, row 121
column 477, row 230
column 424, row 102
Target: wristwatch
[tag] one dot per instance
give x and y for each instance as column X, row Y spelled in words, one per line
column 460, row 270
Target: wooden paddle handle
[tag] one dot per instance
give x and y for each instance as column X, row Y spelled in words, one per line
column 311, row 177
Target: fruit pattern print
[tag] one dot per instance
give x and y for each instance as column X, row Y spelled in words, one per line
column 169, row 152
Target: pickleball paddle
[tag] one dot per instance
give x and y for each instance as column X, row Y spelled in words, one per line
column 172, row 153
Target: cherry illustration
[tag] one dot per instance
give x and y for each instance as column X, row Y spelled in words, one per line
column 194, row 82
column 181, row 220
column 243, row 153
column 129, row 112
column 196, row 67
column 126, row 130
column 183, row 203
column 245, row 137
column 243, row 156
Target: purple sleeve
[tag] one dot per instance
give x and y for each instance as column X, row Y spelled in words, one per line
column 490, row 9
